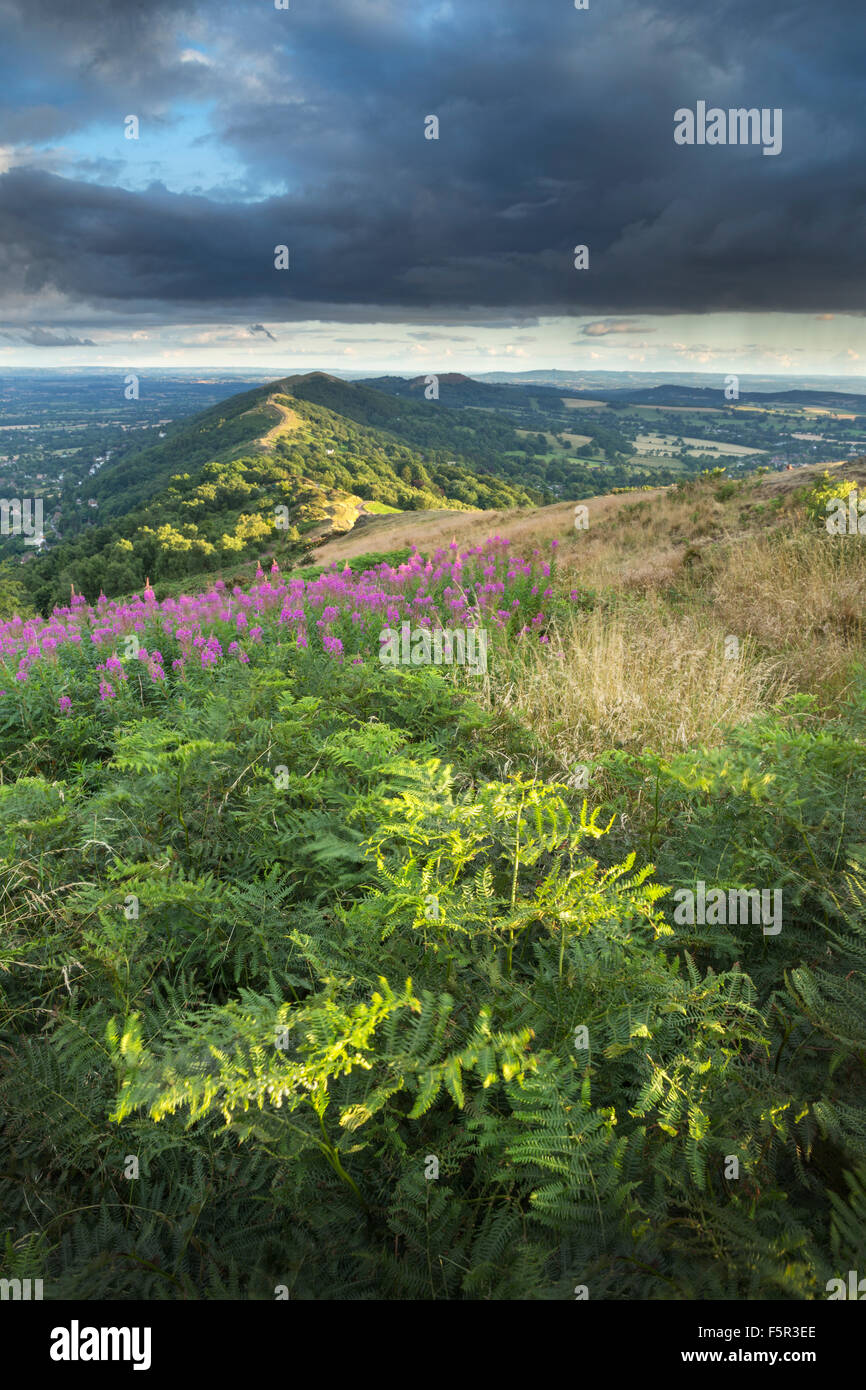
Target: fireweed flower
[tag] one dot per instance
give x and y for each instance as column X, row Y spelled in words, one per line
column 65, row 704
column 447, row 589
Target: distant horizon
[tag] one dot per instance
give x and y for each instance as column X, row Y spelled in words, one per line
column 761, row 343
column 748, row 380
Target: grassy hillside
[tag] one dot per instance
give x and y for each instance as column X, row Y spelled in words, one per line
column 264, row 473
column 331, row 972
column 485, row 439
column 674, row 571
column 274, row 469
column 510, row 429
column 234, row 425
column 220, row 433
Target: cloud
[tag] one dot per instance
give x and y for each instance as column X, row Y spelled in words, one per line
column 192, row 55
column 36, row 336
column 429, row 336
column 556, row 128
column 259, row 328
column 601, row 327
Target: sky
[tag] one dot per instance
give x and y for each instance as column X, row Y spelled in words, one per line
column 307, row 127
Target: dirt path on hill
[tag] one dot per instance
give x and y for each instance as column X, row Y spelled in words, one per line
column 289, row 420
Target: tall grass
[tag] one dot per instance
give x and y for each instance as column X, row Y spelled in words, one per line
column 635, row 677
column 650, row 666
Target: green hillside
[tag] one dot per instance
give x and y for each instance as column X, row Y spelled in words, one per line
column 266, row 472
column 482, row 439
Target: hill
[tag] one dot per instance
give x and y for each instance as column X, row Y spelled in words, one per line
column 729, row 509
column 522, row 394
column 267, row 471
column 456, row 390
column 707, row 397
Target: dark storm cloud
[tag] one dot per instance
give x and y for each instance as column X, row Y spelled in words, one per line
column 90, row 60
column 556, row 129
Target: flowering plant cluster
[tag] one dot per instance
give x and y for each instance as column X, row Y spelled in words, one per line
column 339, row 614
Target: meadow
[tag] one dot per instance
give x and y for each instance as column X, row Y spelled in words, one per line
column 325, row 978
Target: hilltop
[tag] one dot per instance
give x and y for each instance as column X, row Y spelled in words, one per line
column 244, row 425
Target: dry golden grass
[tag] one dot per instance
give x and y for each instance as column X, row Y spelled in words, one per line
column 653, row 671
column 800, row 595
column 636, row 523
column 430, row 529
column 639, row 677
column 677, row 572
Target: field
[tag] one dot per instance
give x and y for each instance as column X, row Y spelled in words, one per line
column 336, row 965
column 666, row 446
column 572, row 439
